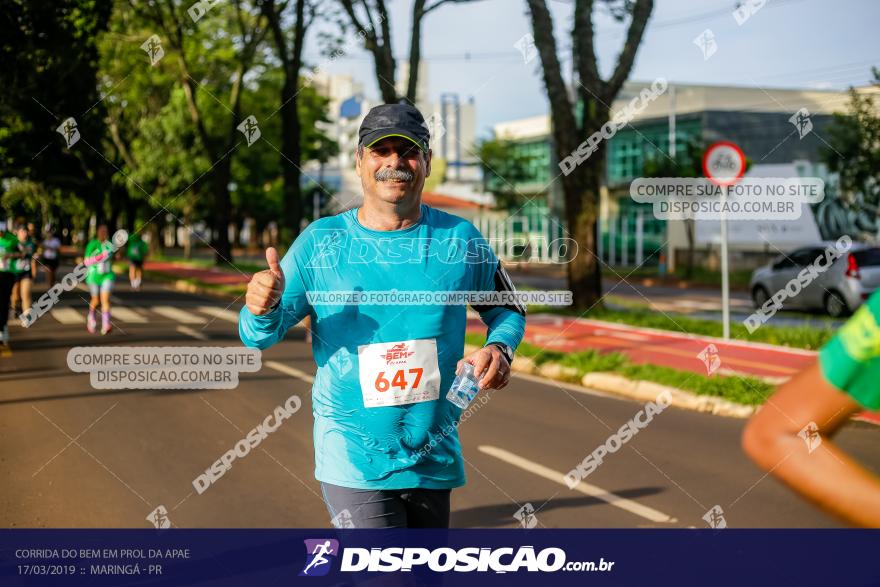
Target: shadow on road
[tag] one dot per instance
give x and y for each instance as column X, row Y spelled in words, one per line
column 502, row 514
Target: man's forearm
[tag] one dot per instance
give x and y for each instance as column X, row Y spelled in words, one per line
column 260, row 331
column 504, row 326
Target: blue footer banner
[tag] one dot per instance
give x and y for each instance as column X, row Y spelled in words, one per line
column 434, row 557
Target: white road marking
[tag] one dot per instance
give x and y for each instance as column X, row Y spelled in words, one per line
column 221, row 313
column 190, row 332
column 127, row 315
column 293, row 372
column 583, row 487
column 178, row 315
column 67, row 315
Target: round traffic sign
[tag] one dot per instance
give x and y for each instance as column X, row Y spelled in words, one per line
column 724, row 163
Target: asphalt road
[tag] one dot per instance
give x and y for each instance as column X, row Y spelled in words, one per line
column 74, row 456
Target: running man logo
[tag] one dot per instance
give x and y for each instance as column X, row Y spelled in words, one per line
column 706, row 42
column 811, row 436
column 319, row 556
column 802, row 122
column 250, row 130
column 153, row 48
column 329, row 243
column 159, row 518
column 436, row 128
column 710, row 358
column 526, row 46
column 715, row 518
column 397, row 354
column 526, row 516
column 343, row 520
column 69, row 131
column 746, row 9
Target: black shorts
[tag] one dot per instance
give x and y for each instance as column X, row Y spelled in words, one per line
column 51, row 263
column 387, row 508
column 22, row 276
column 136, row 263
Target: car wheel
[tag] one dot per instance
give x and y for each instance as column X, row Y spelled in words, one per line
column 760, row 296
column 835, row 305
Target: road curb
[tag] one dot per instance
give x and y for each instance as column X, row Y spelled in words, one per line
column 618, row 385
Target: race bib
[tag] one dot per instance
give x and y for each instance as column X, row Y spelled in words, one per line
column 396, row 373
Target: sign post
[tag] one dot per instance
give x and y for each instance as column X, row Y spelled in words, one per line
column 724, row 164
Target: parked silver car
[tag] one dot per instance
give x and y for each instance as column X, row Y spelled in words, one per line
column 839, row 289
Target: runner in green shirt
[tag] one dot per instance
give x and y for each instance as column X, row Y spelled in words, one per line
column 21, row 267
column 790, row 435
column 136, row 253
column 100, row 278
column 8, row 254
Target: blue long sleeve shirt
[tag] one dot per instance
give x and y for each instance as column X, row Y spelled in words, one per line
column 382, row 420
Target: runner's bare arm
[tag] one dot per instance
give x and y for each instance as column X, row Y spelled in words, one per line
column 826, row 476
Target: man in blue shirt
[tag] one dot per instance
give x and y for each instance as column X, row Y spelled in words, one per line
column 386, row 443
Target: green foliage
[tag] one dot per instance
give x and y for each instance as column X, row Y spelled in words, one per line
column 49, row 55
column 504, row 166
column 742, row 390
column 686, row 163
column 161, row 152
column 854, row 149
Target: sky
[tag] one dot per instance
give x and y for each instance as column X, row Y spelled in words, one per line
column 469, row 49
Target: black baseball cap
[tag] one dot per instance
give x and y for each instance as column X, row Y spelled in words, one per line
column 394, row 120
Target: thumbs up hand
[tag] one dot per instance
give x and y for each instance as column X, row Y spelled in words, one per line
column 265, row 287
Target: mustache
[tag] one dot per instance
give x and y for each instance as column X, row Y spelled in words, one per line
column 395, row 175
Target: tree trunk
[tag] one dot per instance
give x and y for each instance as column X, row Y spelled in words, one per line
column 158, row 228
column 415, row 51
column 581, row 191
column 131, row 208
column 689, row 260
column 291, row 150
column 187, row 241
column 291, row 155
column 385, row 76
column 223, row 204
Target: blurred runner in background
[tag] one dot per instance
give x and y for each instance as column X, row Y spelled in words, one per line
column 21, row 268
column 8, row 251
column 136, row 253
column 99, row 278
column 50, row 252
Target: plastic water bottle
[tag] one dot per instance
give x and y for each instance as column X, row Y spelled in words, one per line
column 464, row 388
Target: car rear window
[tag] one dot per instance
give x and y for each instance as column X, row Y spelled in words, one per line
column 867, row 257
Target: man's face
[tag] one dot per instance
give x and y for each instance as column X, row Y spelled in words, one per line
column 102, row 233
column 393, row 170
